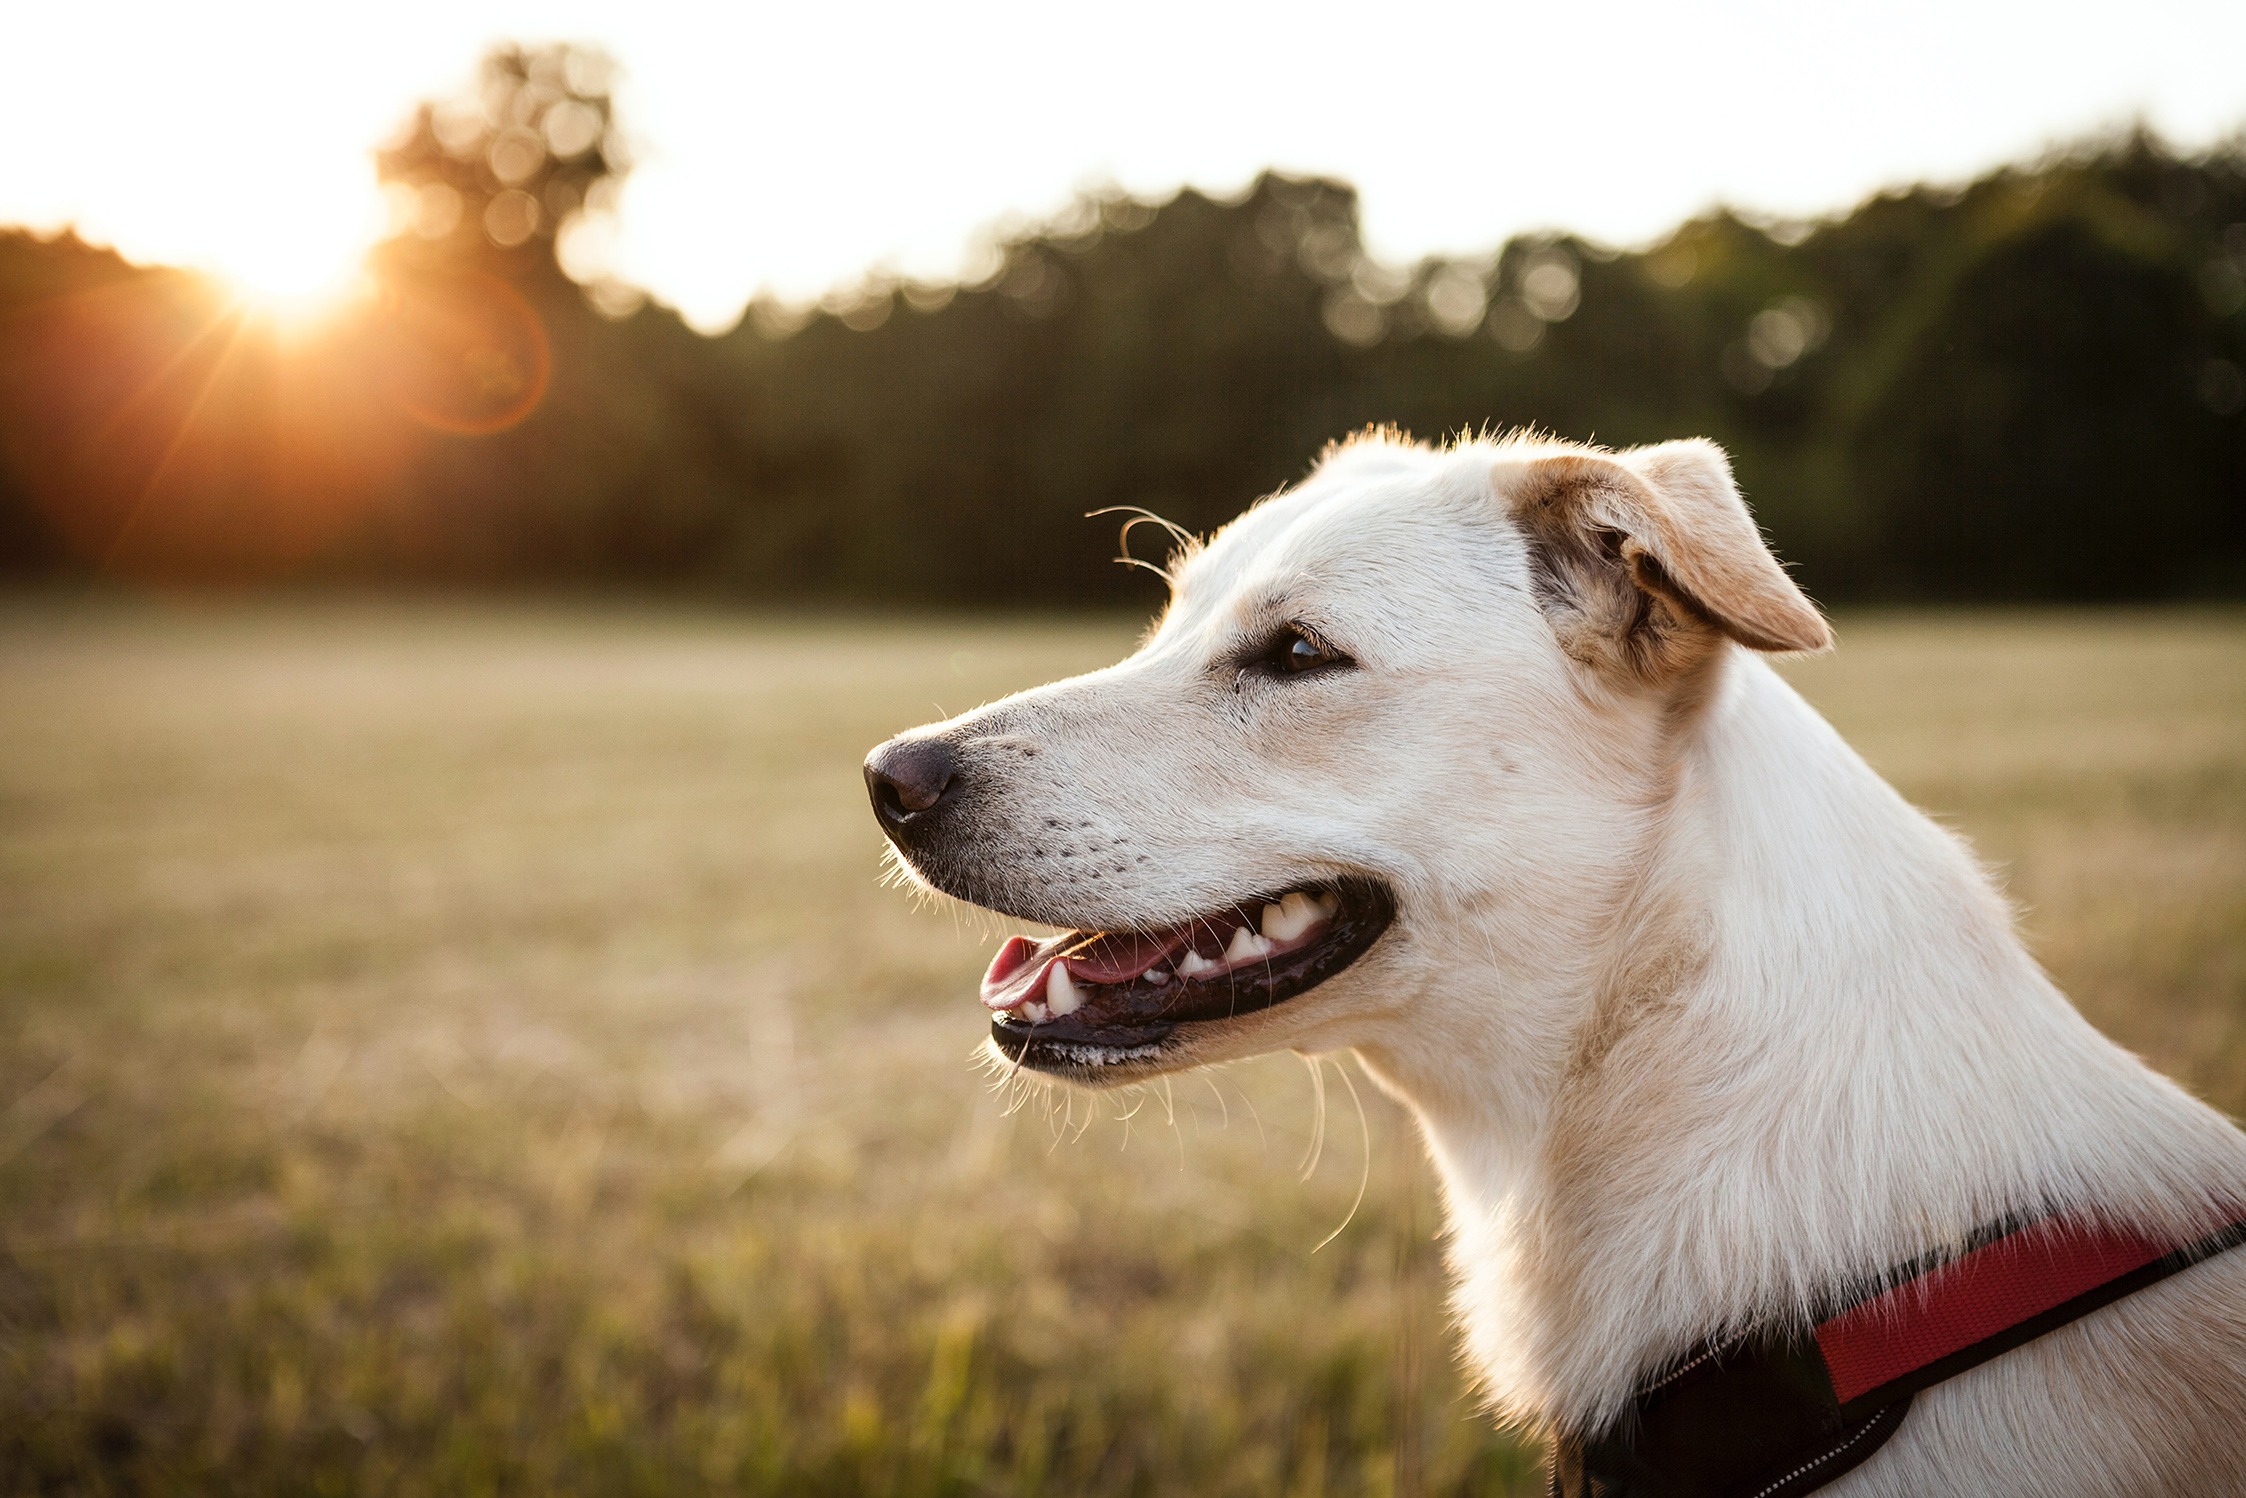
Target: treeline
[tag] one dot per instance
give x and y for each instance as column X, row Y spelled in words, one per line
column 2030, row 387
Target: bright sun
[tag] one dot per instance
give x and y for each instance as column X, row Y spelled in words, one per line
column 298, row 260
column 295, row 304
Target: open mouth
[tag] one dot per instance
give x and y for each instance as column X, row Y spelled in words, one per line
column 1102, row 998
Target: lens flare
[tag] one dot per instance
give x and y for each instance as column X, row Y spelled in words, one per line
column 464, row 354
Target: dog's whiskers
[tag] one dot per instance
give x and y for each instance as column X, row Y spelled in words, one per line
column 1365, row 1167
column 1317, row 1148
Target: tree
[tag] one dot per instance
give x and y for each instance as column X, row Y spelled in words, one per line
column 495, row 179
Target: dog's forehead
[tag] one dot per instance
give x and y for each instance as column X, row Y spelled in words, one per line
column 1362, row 533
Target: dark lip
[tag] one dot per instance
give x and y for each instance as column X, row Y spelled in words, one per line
column 1139, row 1020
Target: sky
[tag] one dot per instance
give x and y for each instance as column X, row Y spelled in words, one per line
column 792, row 148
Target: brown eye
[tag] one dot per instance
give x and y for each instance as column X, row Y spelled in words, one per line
column 1297, row 651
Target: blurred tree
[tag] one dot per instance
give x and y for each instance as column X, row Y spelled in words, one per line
column 586, row 441
column 495, row 179
column 2045, row 426
column 36, row 276
column 2030, row 386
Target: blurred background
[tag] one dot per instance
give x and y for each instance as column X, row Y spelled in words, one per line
column 474, row 481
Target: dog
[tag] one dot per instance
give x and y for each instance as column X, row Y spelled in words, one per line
column 1469, row 760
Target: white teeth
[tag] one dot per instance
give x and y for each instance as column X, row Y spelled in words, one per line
column 1157, row 977
column 1246, row 946
column 1062, row 996
column 1329, row 905
column 1293, row 915
column 1193, row 963
column 1033, row 1011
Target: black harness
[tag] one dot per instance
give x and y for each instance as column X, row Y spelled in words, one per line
column 1778, row 1415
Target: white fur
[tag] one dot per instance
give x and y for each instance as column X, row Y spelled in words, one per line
column 1699, row 1018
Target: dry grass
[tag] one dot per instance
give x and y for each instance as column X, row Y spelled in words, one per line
column 462, row 1050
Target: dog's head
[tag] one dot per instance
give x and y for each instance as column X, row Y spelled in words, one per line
column 1412, row 709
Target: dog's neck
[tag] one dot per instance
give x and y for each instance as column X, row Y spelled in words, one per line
column 1804, row 1045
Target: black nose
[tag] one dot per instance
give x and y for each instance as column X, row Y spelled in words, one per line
column 907, row 777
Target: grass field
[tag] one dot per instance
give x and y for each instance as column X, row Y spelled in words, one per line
column 465, row 1050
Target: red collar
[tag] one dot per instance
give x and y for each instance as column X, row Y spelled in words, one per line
column 1778, row 1415
column 2011, row 1289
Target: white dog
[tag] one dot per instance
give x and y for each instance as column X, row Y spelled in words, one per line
column 1463, row 759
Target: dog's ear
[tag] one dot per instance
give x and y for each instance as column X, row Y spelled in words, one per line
column 1644, row 559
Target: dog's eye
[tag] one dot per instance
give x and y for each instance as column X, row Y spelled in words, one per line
column 1297, row 650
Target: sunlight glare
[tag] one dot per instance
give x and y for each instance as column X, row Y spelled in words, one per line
column 303, row 308
column 299, row 256
column 293, row 248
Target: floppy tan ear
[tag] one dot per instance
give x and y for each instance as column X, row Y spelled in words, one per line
column 1642, row 554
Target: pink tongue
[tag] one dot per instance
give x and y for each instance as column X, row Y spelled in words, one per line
column 1017, row 973
column 1120, row 956
column 1009, row 961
